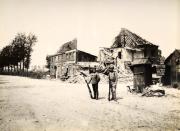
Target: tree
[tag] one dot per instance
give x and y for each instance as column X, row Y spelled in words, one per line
column 30, row 42
column 1, row 61
column 6, row 56
column 18, row 52
column 48, row 62
column 23, row 48
column 19, row 48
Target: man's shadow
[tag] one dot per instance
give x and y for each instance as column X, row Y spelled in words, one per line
column 119, row 98
column 101, row 98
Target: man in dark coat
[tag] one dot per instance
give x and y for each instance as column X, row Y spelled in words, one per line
column 94, row 80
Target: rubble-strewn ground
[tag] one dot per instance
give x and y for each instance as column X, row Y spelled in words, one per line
column 123, row 77
column 44, row 105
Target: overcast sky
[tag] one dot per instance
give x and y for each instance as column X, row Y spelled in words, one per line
column 94, row 23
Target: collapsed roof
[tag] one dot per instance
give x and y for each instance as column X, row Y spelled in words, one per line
column 71, row 45
column 176, row 53
column 127, row 38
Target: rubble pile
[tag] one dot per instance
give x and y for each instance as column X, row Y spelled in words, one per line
column 75, row 79
column 124, row 76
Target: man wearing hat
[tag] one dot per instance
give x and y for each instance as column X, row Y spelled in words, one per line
column 113, row 78
column 94, row 80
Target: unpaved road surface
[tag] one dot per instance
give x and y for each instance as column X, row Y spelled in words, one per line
column 43, row 105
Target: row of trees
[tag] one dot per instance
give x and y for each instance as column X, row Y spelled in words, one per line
column 16, row 56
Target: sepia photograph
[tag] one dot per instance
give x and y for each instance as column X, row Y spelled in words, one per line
column 89, row 65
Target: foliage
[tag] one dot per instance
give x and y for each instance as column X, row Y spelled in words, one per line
column 48, row 61
column 18, row 52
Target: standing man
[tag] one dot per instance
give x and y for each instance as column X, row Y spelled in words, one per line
column 94, row 80
column 113, row 79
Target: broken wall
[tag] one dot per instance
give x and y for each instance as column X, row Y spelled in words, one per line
column 85, row 57
column 138, row 54
column 123, row 54
column 71, row 56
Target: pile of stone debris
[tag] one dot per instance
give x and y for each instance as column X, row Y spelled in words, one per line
column 75, row 79
column 123, row 76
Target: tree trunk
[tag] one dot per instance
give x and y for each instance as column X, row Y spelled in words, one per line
column 20, row 68
column 11, row 69
column 14, row 69
column 27, row 72
column 19, row 65
column 17, row 69
column 8, row 68
column 23, row 65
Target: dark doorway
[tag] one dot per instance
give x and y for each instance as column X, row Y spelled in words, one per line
column 167, row 79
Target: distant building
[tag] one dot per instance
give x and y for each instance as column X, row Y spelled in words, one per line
column 126, row 48
column 67, row 60
column 172, row 69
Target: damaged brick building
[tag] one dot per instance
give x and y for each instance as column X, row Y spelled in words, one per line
column 68, row 59
column 130, row 52
column 126, row 48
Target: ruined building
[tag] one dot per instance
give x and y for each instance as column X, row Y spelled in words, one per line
column 134, row 56
column 126, row 48
column 68, row 59
column 172, row 70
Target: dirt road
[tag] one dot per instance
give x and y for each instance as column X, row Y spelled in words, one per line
column 43, row 105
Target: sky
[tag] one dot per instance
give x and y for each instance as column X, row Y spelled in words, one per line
column 94, row 23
